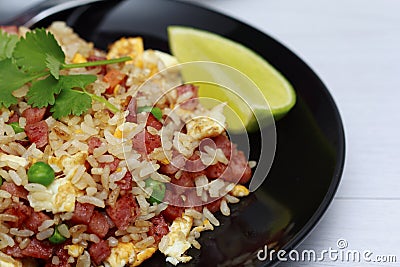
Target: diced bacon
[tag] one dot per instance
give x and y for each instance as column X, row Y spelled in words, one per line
column 62, row 255
column 168, row 169
column 14, row 118
column 172, row 212
column 12, row 29
column 144, row 142
column 21, row 211
column 214, row 206
column 99, row 251
column 237, row 170
column 35, row 220
column 175, row 203
column 126, row 183
column 14, row 251
column 102, row 68
column 15, row 190
column 93, row 142
column 113, row 165
column 194, row 164
column 98, row 224
column 132, row 105
column 113, row 77
column 38, row 249
column 193, row 101
column 215, row 171
column 124, row 212
column 82, row 213
column 185, row 180
column 153, row 122
column 38, row 133
column 224, row 144
column 158, row 229
column 33, row 115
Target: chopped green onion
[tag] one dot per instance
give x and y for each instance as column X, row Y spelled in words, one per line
column 157, row 112
column 1, row 180
column 158, row 192
column 57, row 238
column 16, row 127
column 41, row 173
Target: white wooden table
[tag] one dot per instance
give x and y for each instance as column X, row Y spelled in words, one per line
column 354, row 46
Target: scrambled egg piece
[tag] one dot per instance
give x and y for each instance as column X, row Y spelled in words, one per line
column 176, row 242
column 122, row 254
column 132, row 47
column 62, row 195
column 7, row 261
column 203, row 127
column 142, row 255
column 240, row 191
column 206, row 226
column 74, row 250
column 126, row 253
column 65, row 163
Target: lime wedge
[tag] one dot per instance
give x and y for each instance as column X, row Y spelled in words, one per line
column 189, row 44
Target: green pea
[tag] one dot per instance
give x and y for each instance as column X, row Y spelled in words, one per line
column 157, row 112
column 41, row 173
column 16, row 127
column 1, row 180
column 158, row 192
column 57, row 238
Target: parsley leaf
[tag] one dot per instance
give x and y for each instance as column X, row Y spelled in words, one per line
column 32, row 52
column 7, row 44
column 71, row 102
column 8, row 85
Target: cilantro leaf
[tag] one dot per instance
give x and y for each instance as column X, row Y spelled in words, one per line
column 7, row 44
column 11, row 79
column 54, row 66
column 79, row 80
column 32, row 52
column 71, row 102
column 41, row 94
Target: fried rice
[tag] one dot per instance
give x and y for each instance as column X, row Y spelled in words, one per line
column 99, row 200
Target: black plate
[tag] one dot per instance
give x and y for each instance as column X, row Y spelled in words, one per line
column 310, row 149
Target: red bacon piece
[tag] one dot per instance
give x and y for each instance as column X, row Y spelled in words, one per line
column 33, row 115
column 38, row 133
column 124, row 212
column 15, row 190
column 98, row 224
column 99, row 251
column 159, row 228
column 82, row 213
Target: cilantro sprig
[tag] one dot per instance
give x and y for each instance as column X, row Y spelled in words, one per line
column 38, row 59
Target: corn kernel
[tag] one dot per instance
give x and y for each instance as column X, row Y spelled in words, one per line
column 118, row 133
column 78, row 58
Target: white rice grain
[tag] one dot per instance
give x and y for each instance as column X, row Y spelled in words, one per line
column 208, row 214
column 224, row 208
column 91, row 200
column 45, row 224
column 45, row 234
